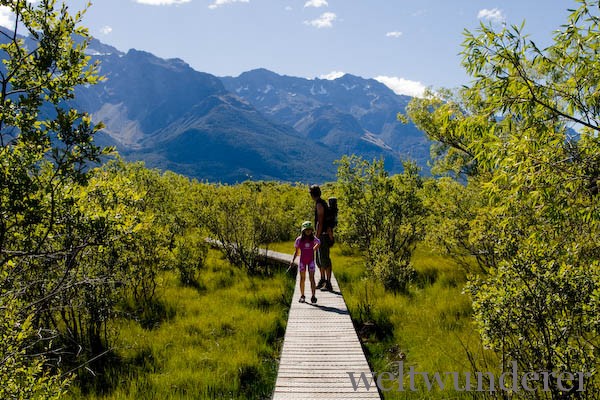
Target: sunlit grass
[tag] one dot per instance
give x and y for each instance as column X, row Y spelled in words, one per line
column 223, row 340
column 225, row 335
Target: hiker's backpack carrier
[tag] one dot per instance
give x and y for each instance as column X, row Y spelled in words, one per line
column 331, row 213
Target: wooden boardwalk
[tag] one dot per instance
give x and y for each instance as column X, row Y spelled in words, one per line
column 320, row 348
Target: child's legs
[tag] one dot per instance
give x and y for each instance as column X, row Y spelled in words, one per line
column 302, row 279
column 313, row 285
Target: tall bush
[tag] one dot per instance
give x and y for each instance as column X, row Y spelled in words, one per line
column 247, row 217
column 46, row 148
column 382, row 216
column 529, row 123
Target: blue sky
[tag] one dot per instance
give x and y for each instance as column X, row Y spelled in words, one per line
column 407, row 44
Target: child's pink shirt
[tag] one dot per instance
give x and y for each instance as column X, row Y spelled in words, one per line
column 307, row 254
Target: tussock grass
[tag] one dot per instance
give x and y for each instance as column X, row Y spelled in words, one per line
column 222, row 340
column 430, row 328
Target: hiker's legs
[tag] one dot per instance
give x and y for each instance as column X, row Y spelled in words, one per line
column 321, row 273
column 327, row 287
column 324, row 261
column 323, row 277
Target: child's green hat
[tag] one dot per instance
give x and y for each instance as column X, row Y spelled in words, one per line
column 306, row 225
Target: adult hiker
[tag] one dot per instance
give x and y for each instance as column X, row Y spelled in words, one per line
column 306, row 244
column 325, row 235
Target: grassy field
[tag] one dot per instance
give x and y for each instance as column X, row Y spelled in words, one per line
column 221, row 339
column 430, row 328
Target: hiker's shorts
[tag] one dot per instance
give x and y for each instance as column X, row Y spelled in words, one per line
column 302, row 266
column 323, row 259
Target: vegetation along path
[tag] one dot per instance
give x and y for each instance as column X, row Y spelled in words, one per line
column 320, row 349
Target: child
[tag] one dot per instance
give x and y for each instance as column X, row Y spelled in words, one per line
column 306, row 244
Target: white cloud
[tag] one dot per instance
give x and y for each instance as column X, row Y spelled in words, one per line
column 324, row 21
column 494, row 15
column 332, row 75
column 219, row 3
column 288, row 8
column 105, row 30
column 402, row 86
column 161, row 2
column 7, row 18
column 394, row 34
column 316, row 3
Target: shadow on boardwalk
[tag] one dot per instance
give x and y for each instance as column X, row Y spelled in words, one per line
column 331, row 309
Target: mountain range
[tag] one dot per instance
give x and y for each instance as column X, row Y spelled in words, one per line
column 259, row 125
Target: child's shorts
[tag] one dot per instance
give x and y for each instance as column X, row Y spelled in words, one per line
column 302, row 266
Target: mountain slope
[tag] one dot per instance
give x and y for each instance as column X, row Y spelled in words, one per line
column 232, row 141
column 173, row 117
column 364, row 108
